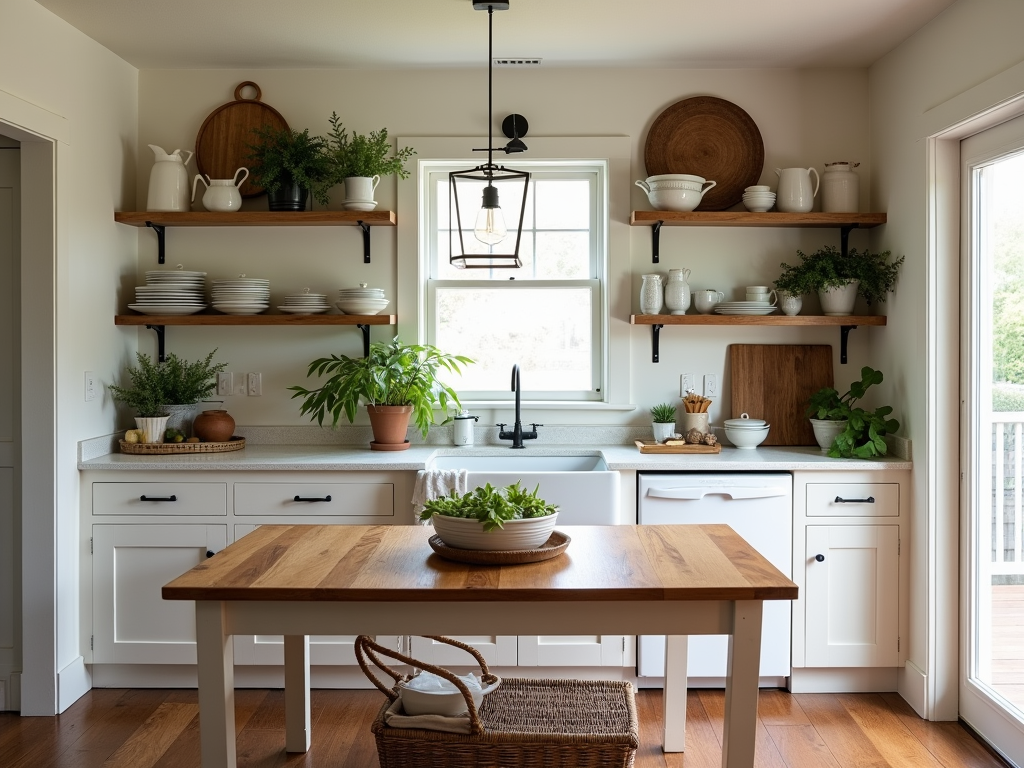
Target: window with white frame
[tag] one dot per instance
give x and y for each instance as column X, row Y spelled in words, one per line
column 546, row 316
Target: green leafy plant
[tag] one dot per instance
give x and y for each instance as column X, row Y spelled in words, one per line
column 392, row 374
column 173, row 382
column 280, row 154
column 865, row 430
column 828, row 268
column 358, row 155
column 665, row 413
column 491, row 506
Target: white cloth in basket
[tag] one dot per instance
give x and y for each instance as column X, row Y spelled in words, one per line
column 434, row 483
column 395, row 717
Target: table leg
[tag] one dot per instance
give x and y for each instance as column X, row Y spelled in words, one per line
column 216, row 668
column 296, row 693
column 676, row 647
column 741, row 681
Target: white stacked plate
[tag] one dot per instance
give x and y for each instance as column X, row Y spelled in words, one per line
column 744, row 308
column 359, row 205
column 241, row 296
column 305, row 303
column 361, row 300
column 170, row 292
column 758, row 198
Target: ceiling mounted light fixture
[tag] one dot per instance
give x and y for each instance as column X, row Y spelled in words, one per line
column 489, row 225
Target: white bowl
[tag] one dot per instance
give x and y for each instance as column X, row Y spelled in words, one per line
column 746, row 438
column 675, row 199
column 759, row 206
column 463, row 533
column 361, row 306
column 449, row 703
column 745, row 422
column 662, row 178
column 758, row 188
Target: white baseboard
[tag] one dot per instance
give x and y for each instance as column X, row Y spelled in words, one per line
column 708, row 682
column 844, row 680
column 913, row 687
column 73, row 682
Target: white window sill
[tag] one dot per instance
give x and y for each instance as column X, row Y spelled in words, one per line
column 550, row 405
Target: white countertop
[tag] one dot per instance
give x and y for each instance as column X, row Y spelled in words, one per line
column 340, row 458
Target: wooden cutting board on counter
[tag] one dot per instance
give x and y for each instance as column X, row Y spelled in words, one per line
column 775, row 381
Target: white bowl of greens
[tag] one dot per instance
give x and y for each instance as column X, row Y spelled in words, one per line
column 495, row 519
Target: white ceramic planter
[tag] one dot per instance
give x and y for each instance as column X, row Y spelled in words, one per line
column 359, row 193
column 838, row 302
column 790, row 304
column 663, row 430
column 153, row 428
column 825, row 431
column 517, row 534
column 180, row 417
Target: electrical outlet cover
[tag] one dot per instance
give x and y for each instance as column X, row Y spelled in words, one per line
column 255, row 384
column 686, row 384
column 710, row 385
column 224, row 382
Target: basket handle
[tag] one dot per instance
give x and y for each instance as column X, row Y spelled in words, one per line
column 364, row 645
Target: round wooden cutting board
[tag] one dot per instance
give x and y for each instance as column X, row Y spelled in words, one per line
column 221, row 146
column 710, row 137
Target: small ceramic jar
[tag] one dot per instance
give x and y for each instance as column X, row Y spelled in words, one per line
column 213, row 426
column 840, row 188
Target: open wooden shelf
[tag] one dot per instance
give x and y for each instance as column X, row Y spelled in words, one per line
column 202, row 318
column 845, row 324
column 749, row 219
column 256, row 218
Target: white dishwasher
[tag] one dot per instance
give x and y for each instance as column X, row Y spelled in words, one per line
column 759, row 507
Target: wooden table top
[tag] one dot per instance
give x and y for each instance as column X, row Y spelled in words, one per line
column 394, row 563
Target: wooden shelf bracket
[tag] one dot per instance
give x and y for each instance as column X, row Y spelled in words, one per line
column 161, row 333
column 161, row 242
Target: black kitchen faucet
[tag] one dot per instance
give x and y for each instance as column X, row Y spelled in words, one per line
column 517, row 435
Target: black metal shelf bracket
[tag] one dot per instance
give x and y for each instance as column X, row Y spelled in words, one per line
column 844, row 337
column 161, row 332
column 655, row 341
column 365, row 328
column 844, row 238
column 160, row 240
column 366, row 241
column 656, row 242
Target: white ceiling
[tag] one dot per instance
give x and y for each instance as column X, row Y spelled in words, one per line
column 245, row 34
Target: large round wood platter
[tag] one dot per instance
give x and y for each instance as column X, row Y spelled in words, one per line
column 553, row 547
column 710, row 137
column 222, row 143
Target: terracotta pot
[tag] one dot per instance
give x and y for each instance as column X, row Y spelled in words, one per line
column 389, row 424
column 213, row 426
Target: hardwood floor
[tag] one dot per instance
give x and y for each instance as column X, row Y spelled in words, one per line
column 141, row 728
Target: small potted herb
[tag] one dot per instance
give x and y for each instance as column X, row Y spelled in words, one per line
column 289, row 165
column 846, row 431
column 488, row 518
column 360, row 161
column 663, row 419
column 839, row 279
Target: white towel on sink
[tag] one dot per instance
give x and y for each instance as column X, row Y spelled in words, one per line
column 434, row 483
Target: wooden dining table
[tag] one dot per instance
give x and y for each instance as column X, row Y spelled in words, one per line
column 302, row 580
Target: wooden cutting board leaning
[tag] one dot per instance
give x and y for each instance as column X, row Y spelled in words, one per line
column 775, row 381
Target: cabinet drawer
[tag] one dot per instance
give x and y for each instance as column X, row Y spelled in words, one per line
column 159, row 498
column 853, row 500
column 320, row 499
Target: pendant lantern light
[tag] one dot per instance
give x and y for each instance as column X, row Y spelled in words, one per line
column 489, row 223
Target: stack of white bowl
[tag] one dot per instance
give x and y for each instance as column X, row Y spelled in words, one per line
column 746, row 432
column 305, row 303
column 361, row 300
column 758, row 198
column 171, row 292
column 241, row 296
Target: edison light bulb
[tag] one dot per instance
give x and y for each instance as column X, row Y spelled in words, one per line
column 490, row 222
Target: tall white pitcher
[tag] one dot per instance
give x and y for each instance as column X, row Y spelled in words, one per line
column 168, row 181
column 795, row 194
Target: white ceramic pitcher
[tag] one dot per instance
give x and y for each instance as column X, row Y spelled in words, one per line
column 168, row 181
column 221, row 194
column 677, row 291
column 795, row 194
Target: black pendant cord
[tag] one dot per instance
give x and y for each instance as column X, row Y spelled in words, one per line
column 490, row 90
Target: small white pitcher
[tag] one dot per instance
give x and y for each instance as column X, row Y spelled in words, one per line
column 795, row 194
column 221, row 195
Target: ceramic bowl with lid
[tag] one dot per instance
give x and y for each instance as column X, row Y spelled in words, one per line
column 745, row 422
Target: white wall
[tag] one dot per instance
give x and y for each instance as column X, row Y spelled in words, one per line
column 47, row 63
column 805, row 118
column 915, row 92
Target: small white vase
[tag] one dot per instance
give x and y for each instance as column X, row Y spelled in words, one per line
column 838, row 302
column 652, row 296
column 825, row 431
column 677, row 291
column 790, row 304
column 153, row 428
column 663, row 430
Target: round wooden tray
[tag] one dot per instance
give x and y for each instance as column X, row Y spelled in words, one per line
column 710, row 137
column 222, row 143
column 553, row 547
column 157, row 449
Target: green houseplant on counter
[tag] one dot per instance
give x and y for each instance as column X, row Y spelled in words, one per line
column 491, row 518
column 359, row 162
column 839, row 279
column 663, row 421
column 290, row 165
column 847, row 431
column 396, row 381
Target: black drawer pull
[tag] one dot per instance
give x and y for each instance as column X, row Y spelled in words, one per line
column 313, row 498
column 820, row 558
column 144, row 497
column 868, row 500
column 210, row 553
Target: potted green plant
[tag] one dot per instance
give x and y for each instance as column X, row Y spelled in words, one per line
column 663, row 418
column 847, row 431
column 396, row 381
column 289, row 165
column 488, row 518
column 359, row 162
column 839, row 279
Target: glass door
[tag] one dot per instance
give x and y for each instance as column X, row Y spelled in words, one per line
column 992, row 387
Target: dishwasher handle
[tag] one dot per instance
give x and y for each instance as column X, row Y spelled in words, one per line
column 696, row 493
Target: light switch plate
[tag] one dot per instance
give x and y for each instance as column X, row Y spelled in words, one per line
column 710, row 385
column 687, row 383
column 224, row 382
column 255, row 384
column 90, row 386
column 238, row 384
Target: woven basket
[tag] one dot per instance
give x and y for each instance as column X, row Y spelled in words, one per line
column 521, row 724
column 152, row 449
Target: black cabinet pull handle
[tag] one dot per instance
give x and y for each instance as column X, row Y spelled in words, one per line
column 312, row 498
column 210, row 553
column 820, row 558
column 868, row 500
column 144, row 497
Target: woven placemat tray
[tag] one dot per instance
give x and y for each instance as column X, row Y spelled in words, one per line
column 158, row 449
column 553, row 547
